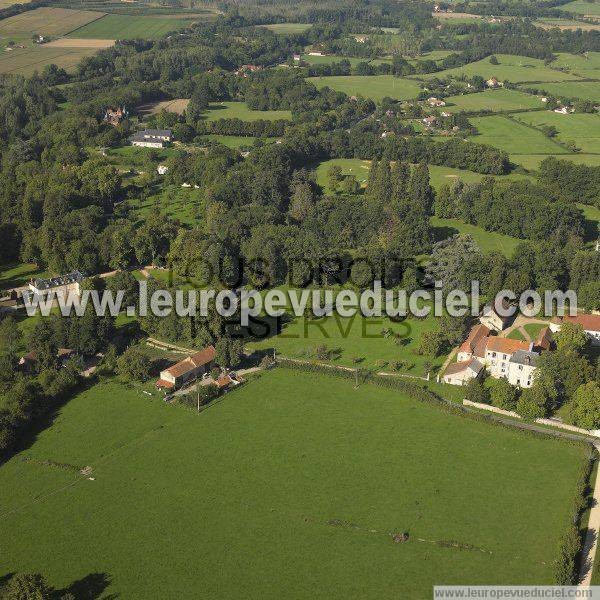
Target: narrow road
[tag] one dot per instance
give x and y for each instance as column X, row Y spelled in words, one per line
column 590, row 544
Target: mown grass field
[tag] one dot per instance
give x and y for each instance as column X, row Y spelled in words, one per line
column 494, row 100
column 288, row 28
column 586, row 90
column 511, row 67
column 581, row 129
column 587, row 65
column 119, row 27
column 293, row 482
column 185, row 205
column 375, row 87
column 350, row 166
column 487, row 241
column 25, row 61
column 513, row 137
column 582, row 7
column 47, row 21
column 240, row 110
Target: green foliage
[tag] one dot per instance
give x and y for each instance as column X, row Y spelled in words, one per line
column 134, row 364
column 27, row 586
column 503, row 394
column 476, row 391
column 584, row 408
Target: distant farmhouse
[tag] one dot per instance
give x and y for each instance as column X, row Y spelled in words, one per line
column 29, row 362
column 246, row 70
column 152, row 138
column 60, row 286
column 113, row 116
column 187, row 370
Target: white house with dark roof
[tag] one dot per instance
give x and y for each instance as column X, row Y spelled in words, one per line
column 521, row 367
column 460, row 373
column 151, row 138
column 60, row 286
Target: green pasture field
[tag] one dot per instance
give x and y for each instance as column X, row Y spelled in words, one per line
column 582, row 129
column 581, row 7
column 587, row 65
column 293, row 482
column 513, row 137
column 288, row 28
column 47, row 21
column 511, row 67
column 494, row 100
column 119, row 27
column 240, row 110
column 531, row 162
column 440, row 176
column 134, row 157
column 585, row 90
column 564, row 24
column 488, row 242
column 26, row 61
column 375, row 87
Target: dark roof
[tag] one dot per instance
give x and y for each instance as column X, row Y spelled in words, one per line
column 523, row 357
column 459, row 367
column 52, row 282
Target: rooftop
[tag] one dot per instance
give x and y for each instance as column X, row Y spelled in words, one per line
column 52, row 282
column 505, row 345
column 588, row 322
column 524, row 357
column 190, row 363
column 459, row 367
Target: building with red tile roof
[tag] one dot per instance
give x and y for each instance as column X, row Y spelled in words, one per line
column 188, row 369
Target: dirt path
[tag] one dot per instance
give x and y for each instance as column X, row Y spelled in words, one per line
column 166, row 346
column 591, row 537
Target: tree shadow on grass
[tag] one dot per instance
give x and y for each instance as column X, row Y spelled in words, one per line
column 443, row 233
column 90, row 587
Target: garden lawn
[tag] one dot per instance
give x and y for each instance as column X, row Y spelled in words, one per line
column 510, row 68
column 581, row 129
column 512, row 137
column 119, row 27
column 533, row 329
column 375, row 87
column 586, row 90
column 494, row 100
column 240, row 110
column 488, row 242
column 293, row 482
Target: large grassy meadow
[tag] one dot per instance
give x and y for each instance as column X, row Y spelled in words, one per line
column 494, row 100
column 510, row 67
column 583, row 130
column 515, row 138
column 375, row 87
column 293, row 483
column 585, row 90
column 582, row 7
column 47, row 21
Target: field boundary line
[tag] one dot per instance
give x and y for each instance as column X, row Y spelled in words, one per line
column 85, row 25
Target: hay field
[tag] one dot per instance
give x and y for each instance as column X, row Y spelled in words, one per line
column 48, row 21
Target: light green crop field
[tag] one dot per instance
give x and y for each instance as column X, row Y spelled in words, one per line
column 288, row 28
column 120, row 27
column 240, row 110
column 511, row 67
column 25, row 61
column 531, row 162
column 375, row 87
column 581, row 7
column 513, row 137
column 586, row 90
column 582, row 129
column 488, row 242
column 495, row 100
column 47, row 21
column 294, row 482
